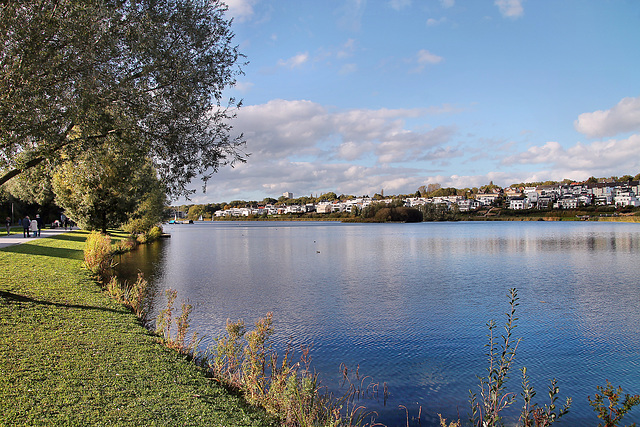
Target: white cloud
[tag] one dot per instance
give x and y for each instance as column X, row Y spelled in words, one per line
column 348, row 69
column 510, row 8
column 304, row 147
column 424, row 58
column 280, row 128
column 622, row 118
column 243, row 86
column 447, row 3
column 294, row 61
column 399, row 4
column 405, row 146
column 347, row 49
column 351, row 14
column 241, row 10
column 600, row 158
column 432, row 22
column 351, row 150
column 286, row 129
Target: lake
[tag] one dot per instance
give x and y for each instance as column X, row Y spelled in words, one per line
column 409, row 303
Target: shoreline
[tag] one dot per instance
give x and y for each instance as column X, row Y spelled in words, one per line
column 72, row 355
column 621, row 218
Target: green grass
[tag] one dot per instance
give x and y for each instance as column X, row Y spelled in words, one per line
column 69, row 355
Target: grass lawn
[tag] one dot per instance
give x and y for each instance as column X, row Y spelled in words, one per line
column 69, row 355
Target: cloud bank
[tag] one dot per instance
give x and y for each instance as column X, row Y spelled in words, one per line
column 622, row 118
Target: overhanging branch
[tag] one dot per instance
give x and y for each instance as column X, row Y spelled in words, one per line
column 17, row 171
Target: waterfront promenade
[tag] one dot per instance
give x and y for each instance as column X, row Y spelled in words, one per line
column 16, row 237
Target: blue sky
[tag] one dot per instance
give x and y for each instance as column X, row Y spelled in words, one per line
column 357, row 96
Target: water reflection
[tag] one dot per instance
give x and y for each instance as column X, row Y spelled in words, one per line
column 409, row 302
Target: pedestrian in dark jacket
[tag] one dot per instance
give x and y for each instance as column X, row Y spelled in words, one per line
column 40, row 223
column 8, row 223
column 26, row 223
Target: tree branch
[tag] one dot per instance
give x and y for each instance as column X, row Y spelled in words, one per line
column 31, row 163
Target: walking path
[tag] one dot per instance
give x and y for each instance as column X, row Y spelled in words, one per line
column 16, row 238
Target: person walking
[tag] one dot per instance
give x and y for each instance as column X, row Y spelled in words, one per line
column 34, row 227
column 8, row 224
column 40, row 223
column 26, row 224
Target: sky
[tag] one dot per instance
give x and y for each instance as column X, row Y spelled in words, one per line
column 360, row 97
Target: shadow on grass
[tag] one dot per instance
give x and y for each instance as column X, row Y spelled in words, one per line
column 17, row 298
column 75, row 237
column 28, row 249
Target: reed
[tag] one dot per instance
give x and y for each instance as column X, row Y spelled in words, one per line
column 291, row 390
column 486, row 411
column 165, row 323
column 131, row 295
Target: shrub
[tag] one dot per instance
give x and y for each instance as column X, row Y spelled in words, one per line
column 98, row 256
column 398, row 214
column 155, row 233
column 124, row 246
column 610, row 412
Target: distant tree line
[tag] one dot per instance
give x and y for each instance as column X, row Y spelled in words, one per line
column 394, row 211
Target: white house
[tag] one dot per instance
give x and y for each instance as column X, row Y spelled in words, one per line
column 323, row 208
column 468, row 205
column 567, row 202
column 518, row 203
column 486, row 199
column 625, row 197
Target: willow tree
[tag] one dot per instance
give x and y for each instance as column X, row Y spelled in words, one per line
column 75, row 75
column 108, row 187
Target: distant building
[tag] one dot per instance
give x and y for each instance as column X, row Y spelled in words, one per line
column 288, row 195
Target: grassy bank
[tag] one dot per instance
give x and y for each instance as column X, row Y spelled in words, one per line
column 69, row 355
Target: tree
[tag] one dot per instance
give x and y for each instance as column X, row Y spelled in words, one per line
column 433, row 187
column 150, row 210
column 33, row 186
column 196, row 211
column 329, row 197
column 74, row 74
column 104, row 188
column 269, row 201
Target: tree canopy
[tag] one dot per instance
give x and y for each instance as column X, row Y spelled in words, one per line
column 107, row 188
column 76, row 74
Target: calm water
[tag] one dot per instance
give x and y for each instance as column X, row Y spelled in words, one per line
column 409, row 303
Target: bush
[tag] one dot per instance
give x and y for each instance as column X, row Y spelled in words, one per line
column 398, row 214
column 124, row 246
column 98, row 255
column 155, row 233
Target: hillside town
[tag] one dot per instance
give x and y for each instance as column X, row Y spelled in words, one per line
column 553, row 196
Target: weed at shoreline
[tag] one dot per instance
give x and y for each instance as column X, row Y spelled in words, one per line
column 164, row 324
column 610, row 411
column 133, row 296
